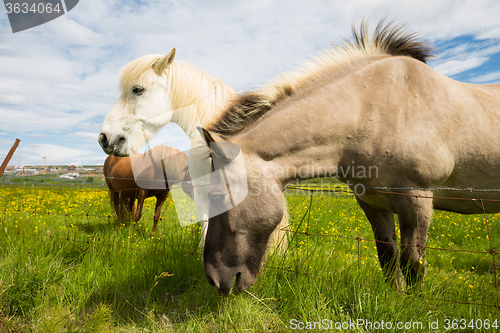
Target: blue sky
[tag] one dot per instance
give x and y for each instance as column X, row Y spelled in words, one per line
column 59, row 80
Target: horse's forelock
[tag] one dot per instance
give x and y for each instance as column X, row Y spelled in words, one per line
column 187, row 85
column 137, row 72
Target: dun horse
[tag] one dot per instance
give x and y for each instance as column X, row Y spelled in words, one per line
column 155, row 91
column 370, row 103
column 123, row 189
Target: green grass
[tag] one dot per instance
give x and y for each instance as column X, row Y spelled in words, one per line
column 50, row 180
column 66, row 265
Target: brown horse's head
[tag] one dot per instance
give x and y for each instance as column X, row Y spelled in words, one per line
column 244, row 210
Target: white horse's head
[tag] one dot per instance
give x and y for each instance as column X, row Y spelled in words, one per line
column 143, row 108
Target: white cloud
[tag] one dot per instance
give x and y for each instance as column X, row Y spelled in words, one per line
column 32, row 154
column 7, row 142
column 10, row 96
column 491, row 34
column 464, row 57
column 90, row 137
column 487, row 78
column 453, row 67
column 41, row 120
column 74, row 33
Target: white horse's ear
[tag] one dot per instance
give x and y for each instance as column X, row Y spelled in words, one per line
column 162, row 64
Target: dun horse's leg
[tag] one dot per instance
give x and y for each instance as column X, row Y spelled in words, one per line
column 160, row 200
column 414, row 213
column 384, row 229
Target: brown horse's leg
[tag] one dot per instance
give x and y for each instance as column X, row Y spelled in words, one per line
column 131, row 206
column 119, row 212
column 160, row 200
column 115, row 200
column 414, row 213
column 141, row 196
column 384, row 229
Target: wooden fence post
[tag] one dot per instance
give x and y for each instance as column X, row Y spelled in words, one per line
column 9, row 155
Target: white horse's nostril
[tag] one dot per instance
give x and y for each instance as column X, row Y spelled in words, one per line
column 103, row 140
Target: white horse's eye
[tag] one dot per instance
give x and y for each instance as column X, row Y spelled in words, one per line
column 138, row 90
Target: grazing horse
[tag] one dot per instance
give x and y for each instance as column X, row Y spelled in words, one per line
column 123, row 188
column 155, row 91
column 371, row 103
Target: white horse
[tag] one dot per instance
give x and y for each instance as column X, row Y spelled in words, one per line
column 156, row 91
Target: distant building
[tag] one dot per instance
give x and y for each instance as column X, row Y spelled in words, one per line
column 31, row 171
column 70, row 175
column 10, row 170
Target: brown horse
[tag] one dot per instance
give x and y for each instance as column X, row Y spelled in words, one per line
column 123, row 188
column 404, row 137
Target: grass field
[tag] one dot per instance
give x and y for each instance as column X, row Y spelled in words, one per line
column 66, row 265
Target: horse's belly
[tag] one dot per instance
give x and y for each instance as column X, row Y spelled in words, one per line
column 458, row 201
column 467, row 202
column 377, row 201
column 126, row 188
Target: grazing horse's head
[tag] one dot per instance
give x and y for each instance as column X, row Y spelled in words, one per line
column 143, row 107
column 245, row 208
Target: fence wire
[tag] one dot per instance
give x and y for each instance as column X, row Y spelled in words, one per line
column 46, row 207
column 336, row 189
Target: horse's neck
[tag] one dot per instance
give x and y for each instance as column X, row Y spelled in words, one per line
column 303, row 137
column 492, row 89
column 190, row 129
column 289, row 151
column 198, row 98
column 188, row 120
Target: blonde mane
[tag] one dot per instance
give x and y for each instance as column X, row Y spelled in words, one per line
column 388, row 40
column 201, row 96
